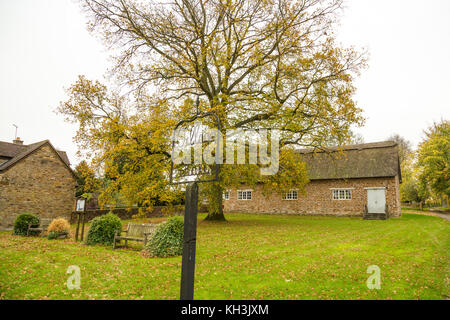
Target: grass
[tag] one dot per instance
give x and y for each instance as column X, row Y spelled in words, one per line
column 248, row 257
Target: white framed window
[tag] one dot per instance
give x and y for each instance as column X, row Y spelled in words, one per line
column 226, row 195
column 291, row 195
column 342, row 194
column 244, row 195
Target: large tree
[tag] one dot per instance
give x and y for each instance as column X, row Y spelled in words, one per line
column 255, row 63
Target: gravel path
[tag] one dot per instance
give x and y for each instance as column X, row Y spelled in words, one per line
column 434, row 214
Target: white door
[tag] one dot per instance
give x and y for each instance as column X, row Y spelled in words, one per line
column 376, row 200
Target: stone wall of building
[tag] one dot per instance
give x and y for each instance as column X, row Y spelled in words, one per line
column 40, row 184
column 398, row 203
column 317, row 199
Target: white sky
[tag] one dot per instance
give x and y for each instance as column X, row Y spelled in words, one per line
column 45, row 45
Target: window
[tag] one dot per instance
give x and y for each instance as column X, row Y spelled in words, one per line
column 244, row 194
column 226, row 195
column 291, row 195
column 342, row 194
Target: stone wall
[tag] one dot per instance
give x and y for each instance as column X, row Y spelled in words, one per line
column 317, row 199
column 40, row 184
column 122, row 213
column 128, row 213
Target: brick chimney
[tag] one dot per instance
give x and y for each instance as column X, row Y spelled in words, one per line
column 18, row 141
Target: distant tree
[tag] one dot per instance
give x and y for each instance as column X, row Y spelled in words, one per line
column 404, row 147
column 412, row 189
column 408, row 191
column 408, row 188
column 350, row 139
column 433, row 159
column 87, row 182
column 424, row 191
column 356, row 138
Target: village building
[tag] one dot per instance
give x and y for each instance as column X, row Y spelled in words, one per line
column 34, row 178
column 358, row 180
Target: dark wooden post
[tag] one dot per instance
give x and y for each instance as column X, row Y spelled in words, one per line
column 189, row 242
column 78, row 225
column 82, row 222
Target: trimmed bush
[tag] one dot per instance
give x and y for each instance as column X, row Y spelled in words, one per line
column 59, row 227
column 167, row 241
column 103, row 228
column 22, row 222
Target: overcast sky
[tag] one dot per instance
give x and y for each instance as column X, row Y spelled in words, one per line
column 45, row 45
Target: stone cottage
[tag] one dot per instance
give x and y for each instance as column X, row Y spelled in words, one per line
column 357, row 180
column 34, row 178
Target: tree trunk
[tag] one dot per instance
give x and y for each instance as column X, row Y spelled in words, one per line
column 444, row 202
column 215, row 208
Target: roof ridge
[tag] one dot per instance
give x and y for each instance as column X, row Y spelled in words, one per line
column 30, row 148
column 26, row 150
column 23, row 145
column 360, row 146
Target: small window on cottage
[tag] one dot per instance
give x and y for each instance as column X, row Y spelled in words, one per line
column 226, row 195
column 291, row 195
column 244, row 194
column 342, row 194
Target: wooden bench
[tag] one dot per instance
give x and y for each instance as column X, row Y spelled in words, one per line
column 135, row 232
column 41, row 228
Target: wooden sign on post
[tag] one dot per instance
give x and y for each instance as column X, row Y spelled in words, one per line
column 186, row 172
column 185, row 167
column 81, row 203
column 80, row 210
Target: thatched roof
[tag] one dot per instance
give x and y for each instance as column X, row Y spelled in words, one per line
column 370, row 160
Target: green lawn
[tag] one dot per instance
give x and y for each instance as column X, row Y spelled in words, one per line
column 248, row 257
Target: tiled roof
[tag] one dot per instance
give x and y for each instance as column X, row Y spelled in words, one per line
column 10, row 150
column 15, row 152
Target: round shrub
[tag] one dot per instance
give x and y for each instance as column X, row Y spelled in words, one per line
column 103, row 228
column 22, row 222
column 59, row 227
column 167, row 241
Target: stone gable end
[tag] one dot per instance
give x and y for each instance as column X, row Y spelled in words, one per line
column 40, row 183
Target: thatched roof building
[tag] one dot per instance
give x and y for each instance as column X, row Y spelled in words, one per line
column 369, row 160
column 356, row 180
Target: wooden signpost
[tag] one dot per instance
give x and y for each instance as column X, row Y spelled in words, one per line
column 190, row 175
column 81, row 211
column 189, row 242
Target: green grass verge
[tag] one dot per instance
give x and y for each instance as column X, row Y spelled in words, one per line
column 248, row 257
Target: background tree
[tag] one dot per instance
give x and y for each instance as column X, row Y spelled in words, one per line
column 434, row 157
column 257, row 64
column 412, row 189
column 404, row 147
column 126, row 144
column 87, row 182
column 350, row 139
